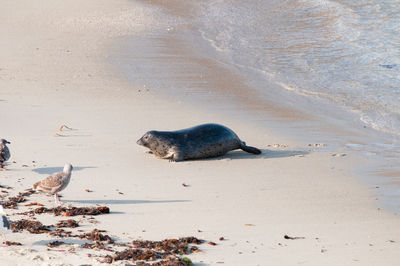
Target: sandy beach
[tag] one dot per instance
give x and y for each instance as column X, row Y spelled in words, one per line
column 68, row 63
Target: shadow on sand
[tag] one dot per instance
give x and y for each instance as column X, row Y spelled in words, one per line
column 266, row 154
column 105, row 202
column 281, row 154
column 52, row 170
column 65, row 240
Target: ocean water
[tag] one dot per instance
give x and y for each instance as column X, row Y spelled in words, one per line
column 346, row 52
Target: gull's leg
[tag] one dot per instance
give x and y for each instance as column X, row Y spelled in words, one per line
column 3, row 236
column 57, row 200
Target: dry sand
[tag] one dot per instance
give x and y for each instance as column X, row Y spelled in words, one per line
column 55, row 69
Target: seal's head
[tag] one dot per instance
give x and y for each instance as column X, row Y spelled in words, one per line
column 4, row 141
column 147, row 139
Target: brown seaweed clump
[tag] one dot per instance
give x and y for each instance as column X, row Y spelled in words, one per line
column 97, row 236
column 158, row 252
column 34, row 227
column 169, row 246
column 170, row 261
column 132, row 256
column 73, row 211
column 10, row 243
column 12, row 202
column 61, row 233
column 97, row 245
column 70, row 223
column 55, row 244
column 28, row 192
column 135, row 255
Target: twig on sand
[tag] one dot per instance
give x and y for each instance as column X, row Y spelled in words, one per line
column 65, row 127
column 293, row 237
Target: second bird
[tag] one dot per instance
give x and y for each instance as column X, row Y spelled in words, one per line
column 4, row 153
column 55, row 182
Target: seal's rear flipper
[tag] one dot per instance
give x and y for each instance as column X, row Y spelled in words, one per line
column 250, row 149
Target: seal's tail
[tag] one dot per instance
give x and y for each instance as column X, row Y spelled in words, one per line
column 250, row 149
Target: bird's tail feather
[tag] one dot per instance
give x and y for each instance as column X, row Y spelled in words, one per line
column 36, row 184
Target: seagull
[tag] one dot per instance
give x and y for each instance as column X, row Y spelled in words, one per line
column 4, row 224
column 4, row 153
column 55, row 182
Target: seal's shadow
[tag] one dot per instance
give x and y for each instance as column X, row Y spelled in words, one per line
column 265, row 154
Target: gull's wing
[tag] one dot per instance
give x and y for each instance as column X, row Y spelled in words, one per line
column 52, row 183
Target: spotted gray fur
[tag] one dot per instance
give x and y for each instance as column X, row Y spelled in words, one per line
column 203, row 141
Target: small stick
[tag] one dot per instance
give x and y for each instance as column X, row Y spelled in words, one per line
column 293, row 238
column 65, row 126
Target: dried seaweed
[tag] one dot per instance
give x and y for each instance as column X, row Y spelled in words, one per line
column 55, row 244
column 96, row 235
column 34, row 227
column 156, row 253
column 97, row 245
column 194, row 249
column 10, row 243
column 169, row 246
column 73, row 211
column 61, row 233
column 33, row 204
column 68, row 223
column 168, row 261
column 28, row 192
column 12, row 202
column 134, row 255
column 173, row 261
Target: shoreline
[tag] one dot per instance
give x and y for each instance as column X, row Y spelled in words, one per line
column 185, row 67
column 251, row 201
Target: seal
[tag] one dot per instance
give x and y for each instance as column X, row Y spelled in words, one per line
column 199, row 142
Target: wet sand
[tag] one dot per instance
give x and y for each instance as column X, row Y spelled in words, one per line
column 73, row 72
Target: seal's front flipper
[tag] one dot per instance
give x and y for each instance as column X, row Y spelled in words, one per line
column 178, row 157
column 169, row 157
column 175, row 157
